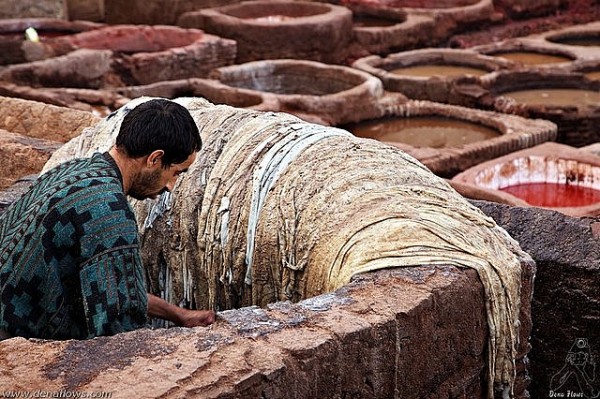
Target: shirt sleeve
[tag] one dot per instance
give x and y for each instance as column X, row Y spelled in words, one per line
column 113, row 293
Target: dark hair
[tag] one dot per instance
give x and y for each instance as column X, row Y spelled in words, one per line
column 159, row 124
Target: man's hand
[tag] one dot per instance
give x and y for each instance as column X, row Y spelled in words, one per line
column 160, row 308
column 193, row 318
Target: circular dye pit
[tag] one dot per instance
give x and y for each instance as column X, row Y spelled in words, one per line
column 292, row 79
column 424, row 131
column 556, row 97
column 549, row 175
column 321, row 93
column 278, row 29
column 532, row 58
column 430, row 74
column 438, row 70
column 130, row 39
column 554, row 195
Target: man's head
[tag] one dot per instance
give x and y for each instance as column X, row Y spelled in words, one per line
column 162, row 137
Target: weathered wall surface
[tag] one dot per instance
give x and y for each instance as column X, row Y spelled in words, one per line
column 22, row 155
column 565, row 305
column 33, row 9
column 41, row 120
column 154, row 12
column 404, row 333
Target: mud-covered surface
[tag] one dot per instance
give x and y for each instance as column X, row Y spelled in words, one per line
column 573, row 12
column 81, row 361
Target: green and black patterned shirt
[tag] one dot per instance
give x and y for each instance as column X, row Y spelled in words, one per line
column 70, row 265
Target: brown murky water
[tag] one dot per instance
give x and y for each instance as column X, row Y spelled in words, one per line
column 594, row 75
column 585, row 41
column 365, row 21
column 425, row 131
column 532, row 58
column 438, row 70
column 554, row 194
column 556, row 97
column 433, row 4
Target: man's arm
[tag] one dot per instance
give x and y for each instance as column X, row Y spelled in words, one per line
column 160, row 308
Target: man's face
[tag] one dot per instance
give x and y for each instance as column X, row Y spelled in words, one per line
column 152, row 182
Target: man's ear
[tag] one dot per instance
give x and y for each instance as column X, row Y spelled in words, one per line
column 154, row 158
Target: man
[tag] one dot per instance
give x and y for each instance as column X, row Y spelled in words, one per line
column 70, row 265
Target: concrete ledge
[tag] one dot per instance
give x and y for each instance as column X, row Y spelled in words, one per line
column 406, row 333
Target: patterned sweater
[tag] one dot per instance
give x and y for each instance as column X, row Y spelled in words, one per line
column 70, row 265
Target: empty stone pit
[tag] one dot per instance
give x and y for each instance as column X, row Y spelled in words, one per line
column 329, row 94
column 382, row 30
column 449, row 15
column 550, row 175
column 213, row 91
column 147, row 54
column 568, row 99
column 450, row 139
column 429, row 74
column 114, row 56
column 276, row 30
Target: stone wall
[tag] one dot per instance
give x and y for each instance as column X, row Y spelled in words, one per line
column 565, row 303
column 404, row 333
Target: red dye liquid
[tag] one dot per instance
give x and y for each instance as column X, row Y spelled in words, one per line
column 554, row 195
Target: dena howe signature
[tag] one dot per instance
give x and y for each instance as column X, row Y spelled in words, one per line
column 577, row 377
